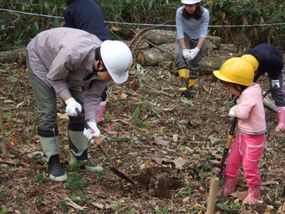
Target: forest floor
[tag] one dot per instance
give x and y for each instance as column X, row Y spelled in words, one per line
column 170, row 146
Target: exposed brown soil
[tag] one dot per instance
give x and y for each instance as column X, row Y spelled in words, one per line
column 168, row 145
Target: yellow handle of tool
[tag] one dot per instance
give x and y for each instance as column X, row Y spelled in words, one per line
column 97, row 141
column 229, row 141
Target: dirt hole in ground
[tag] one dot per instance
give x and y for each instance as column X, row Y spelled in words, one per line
column 159, row 182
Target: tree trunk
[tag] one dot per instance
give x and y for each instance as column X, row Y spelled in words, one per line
column 156, row 55
column 159, row 37
column 16, row 55
column 165, row 53
column 212, row 63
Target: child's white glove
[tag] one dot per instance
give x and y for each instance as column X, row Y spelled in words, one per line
column 71, row 106
column 186, row 54
column 194, row 52
column 275, row 84
column 232, row 112
column 92, row 132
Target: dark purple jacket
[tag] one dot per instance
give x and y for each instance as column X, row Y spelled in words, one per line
column 86, row 15
column 270, row 60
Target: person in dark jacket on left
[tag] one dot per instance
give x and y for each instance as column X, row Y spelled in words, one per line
column 88, row 16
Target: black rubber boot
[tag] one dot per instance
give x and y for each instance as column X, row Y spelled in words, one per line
column 55, row 170
column 188, row 94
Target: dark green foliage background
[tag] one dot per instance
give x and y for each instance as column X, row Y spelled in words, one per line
column 18, row 29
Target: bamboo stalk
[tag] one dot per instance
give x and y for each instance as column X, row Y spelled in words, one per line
column 4, row 146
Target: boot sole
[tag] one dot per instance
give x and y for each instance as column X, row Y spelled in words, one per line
column 94, row 169
column 61, row 178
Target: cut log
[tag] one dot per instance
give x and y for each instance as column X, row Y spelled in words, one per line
column 156, row 55
column 210, row 63
column 141, row 45
column 122, row 33
column 228, row 48
column 16, row 55
column 159, row 37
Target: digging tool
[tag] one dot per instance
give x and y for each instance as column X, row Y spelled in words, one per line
column 98, row 142
column 214, row 183
column 227, row 147
column 215, row 180
column 4, row 146
column 112, row 167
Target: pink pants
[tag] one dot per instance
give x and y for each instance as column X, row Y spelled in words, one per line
column 246, row 149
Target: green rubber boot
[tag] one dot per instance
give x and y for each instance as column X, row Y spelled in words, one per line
column 78, row 145
column 50, row 146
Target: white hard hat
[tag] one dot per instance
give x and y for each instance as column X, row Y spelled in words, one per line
column 190, row 1
column 118, row 58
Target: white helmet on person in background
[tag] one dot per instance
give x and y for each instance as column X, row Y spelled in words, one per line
column 190, row 1
column 117, row 58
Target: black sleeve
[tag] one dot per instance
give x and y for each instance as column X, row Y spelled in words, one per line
column 67, row 19
column 270, row 60
column 276, row 60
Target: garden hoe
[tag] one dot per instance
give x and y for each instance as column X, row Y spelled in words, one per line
column 103, row 151
column 214, row 183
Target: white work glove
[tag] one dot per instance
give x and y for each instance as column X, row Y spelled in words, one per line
column 92, row 132
column 186, row 54
column 275, row 84
column 194, row 52
column 71, row 106
column 232, row 112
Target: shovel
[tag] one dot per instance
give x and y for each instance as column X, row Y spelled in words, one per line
column 98, row 142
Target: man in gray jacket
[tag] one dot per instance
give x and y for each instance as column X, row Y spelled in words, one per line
column 61, row 61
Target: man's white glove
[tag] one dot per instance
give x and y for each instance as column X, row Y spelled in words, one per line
column 232, row 112
column 186, row 54
column 71, row 106
column 92, row 132
column 194, row 52
column 275, row 84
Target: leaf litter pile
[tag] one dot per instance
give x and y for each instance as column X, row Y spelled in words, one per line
column 169, row 145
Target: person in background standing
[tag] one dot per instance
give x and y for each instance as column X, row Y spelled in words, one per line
column 191, row 29
column 87, row 15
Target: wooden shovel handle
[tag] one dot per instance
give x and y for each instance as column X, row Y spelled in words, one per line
column 97, row 141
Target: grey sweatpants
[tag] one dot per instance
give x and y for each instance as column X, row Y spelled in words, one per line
column 180, row 62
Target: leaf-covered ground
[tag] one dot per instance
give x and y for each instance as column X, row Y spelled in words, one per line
column 170, row 146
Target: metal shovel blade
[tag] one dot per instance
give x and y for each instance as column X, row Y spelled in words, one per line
column 112, row 167
column 103, row 151
column 121, row 175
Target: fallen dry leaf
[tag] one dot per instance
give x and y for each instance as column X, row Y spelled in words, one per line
column 160, row 141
